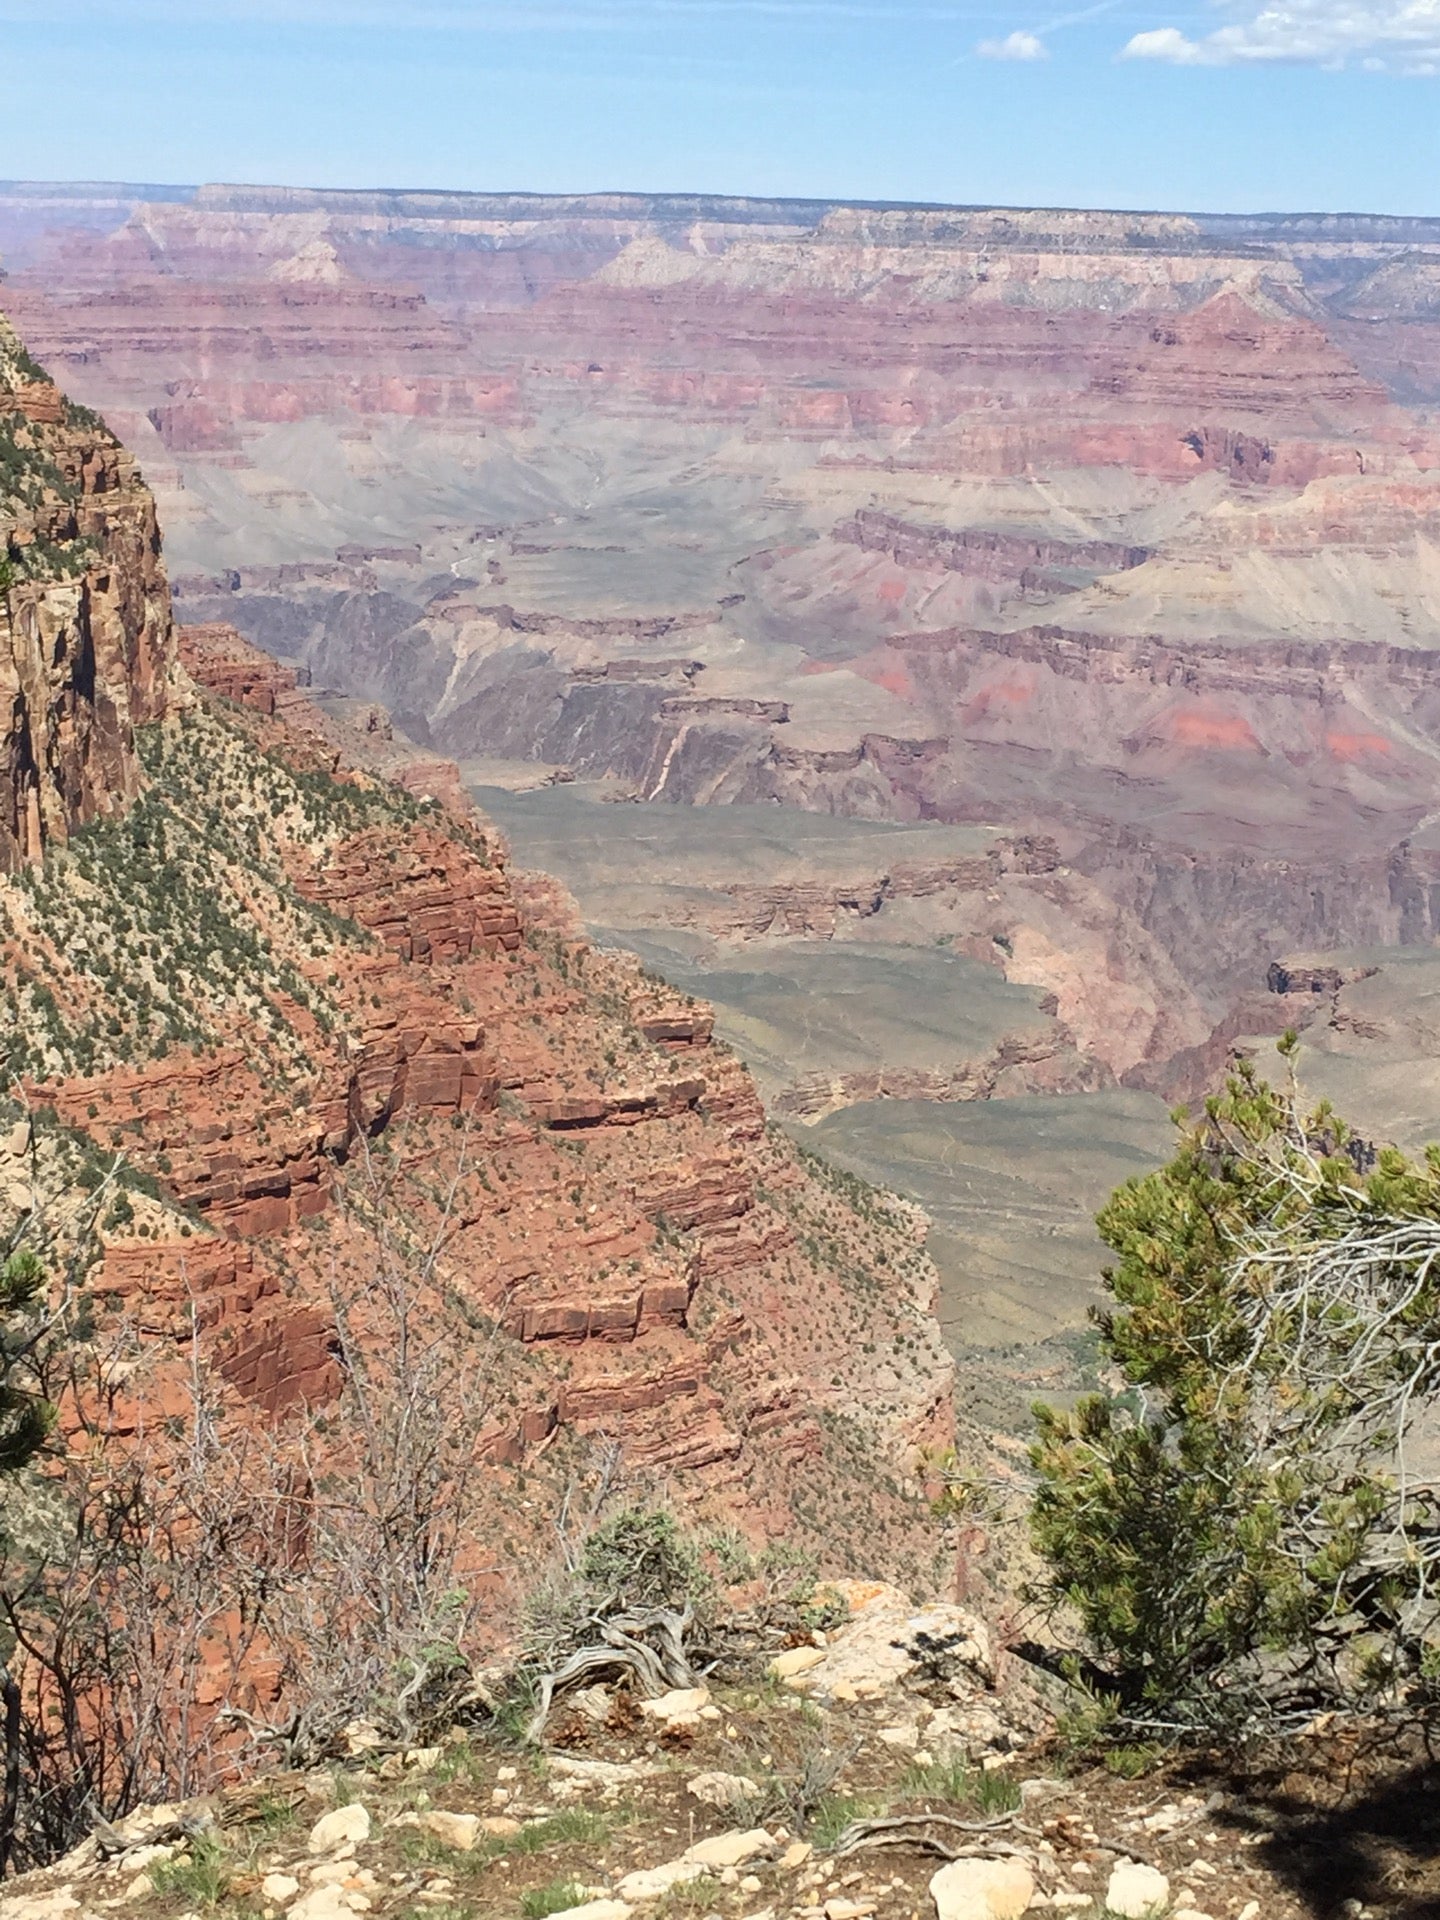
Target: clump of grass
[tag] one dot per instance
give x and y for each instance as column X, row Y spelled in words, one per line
column 424, row 1849
column 690, row 1896
column 344, row 1787
column 458, row 1762
column 576, row 1826
column 201, row 1876
column 1129, row 1763
column 537, row 1902
column 833, row 1814
column 272, row 1814
column 956, row 1781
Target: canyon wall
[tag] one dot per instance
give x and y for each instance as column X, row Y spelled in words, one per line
column 1113, row 531
column 278, row 989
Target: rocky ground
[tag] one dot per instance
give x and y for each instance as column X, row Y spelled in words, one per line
column 893, row 1767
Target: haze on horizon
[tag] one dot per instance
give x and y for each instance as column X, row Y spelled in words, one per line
column 1245, row 106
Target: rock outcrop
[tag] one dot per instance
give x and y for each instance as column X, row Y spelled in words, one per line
column 85, row 645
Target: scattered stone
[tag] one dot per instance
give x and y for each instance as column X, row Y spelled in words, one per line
column 279, row 1888
column 653, row 1883
column 595, row 1910
column 848, row 1909
column 1164, row 1819
column 500, row 1826
column 795, row 1855
column 591, row 1703
column 342, row 1826
column 139, row 1858
column 328, row 1903
column 1041, row 1788
column 1189, row 1913
column 1134, row 1891
column 41, row 1906
column 1066, row 1900
column 457, row 1830
column 785, row 1666
column 982, row 1890
column 335, row 1873
column 142, row 1826
column 723, row 1791
column 731, row 1849
column 140, row 1888
column 680, row 1705
column 598, row 1773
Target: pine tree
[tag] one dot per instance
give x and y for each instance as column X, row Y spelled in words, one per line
column 1244, row 1526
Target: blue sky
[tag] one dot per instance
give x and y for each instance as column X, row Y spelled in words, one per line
column 1222, row 105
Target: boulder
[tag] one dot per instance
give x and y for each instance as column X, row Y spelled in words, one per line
column 982, row 1890
column 1134, row 1891
column 892, row 1644
column 341, row 1827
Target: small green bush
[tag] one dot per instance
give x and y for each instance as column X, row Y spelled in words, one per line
column 1233, row 1526
column 538, row 1902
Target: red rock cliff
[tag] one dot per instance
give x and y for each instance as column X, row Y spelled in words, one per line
column 307, row 1010
column 85, row 637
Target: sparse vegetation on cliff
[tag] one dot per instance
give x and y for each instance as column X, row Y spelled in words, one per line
column 173, row 918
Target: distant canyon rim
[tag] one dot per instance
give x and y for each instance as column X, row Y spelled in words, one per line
column 980, row 649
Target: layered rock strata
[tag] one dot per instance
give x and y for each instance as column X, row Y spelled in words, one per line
column 1117, row 530
column 292, row 1015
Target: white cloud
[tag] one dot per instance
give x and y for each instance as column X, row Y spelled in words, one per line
column 1163, row 43
column 1380, row 35
column 1015, row 46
